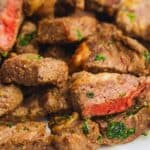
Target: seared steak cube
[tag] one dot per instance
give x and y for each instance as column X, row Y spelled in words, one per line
column 32, row 70
column 67, row 29
column 104, row 93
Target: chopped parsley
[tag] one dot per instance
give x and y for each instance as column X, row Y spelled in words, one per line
column 147, row 56
column 79, row 35
column 90, row 94
column 4, row 54
column 118, row 130
column 99, row 139
column 131, row 16
column 100, row 58
column 144, row 133
column 35, row 57
column 122, row 94
column 26, row 39
column 9, row 125
column 85, row 127
column 134, row 109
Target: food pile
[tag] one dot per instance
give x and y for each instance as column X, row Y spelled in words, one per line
column 74, row 74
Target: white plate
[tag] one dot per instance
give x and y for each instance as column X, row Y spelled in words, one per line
column 142, row 143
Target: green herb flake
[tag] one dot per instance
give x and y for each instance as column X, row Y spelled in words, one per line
column 79, row 35
column 100, row 58
column 118, row 130
column 9, row 125
column 147, row 56
column 26, row 39
column 131, row 16
column 26, row 129
column 35, row 57
column 122, row 94
column 4, row 54
column 133, row 110
column 145, row 134
column 90, row 94
column 99, row 139
column 85, row 127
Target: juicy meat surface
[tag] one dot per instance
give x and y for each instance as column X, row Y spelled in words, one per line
column 10, row 20
column 70, row 130
column 133, row 16
column 104, row 93
column 66, row 30
column 139, row 122
column 31, row 70
column 10, row 98
column 110, row 50
column 55, row 100
column 28, row 135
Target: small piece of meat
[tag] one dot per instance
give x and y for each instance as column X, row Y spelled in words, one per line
column 71, row 126
column 133, row 17
column 110, row 6
column 110, row 50
column 10, row 98
column 26, row 42
column 10, row 20
column 55, row 100
column 139, row 123
column 31, row 70
column 28, row 135
column 66, row 30
column 73, row 141
column 30, row 109
column 104, row 93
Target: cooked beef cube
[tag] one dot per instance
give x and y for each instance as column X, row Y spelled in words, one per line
column 110, row 50
column 104, row 93
column 30, row 109
column 31, row 70
column 42, row 8
column 28, row 135
column 10, row 98
column 27, row 42
column 55, row 100
column 66, row 30
column 10, row 20
column 134, row 18
column 124, row 128
column 110, row 6
column 71, row 126
column 73, row 141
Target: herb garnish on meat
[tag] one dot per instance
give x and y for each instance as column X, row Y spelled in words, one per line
column 4, row 54
column 79, row 35
column 26, row 39
column 100, row 57
column 85, row 127
column 131, row 16
column 147, row 56
column 118, row 130
column 90, row 94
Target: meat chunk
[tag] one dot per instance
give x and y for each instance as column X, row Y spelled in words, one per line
column 66, row 30
column 55, row 100
column 110, row 50
column 134, row 18
column 113, row 129
column 27, row 42
column 31, row 70
column 71, row 130
column 10, row 98
column 104, row 93
column 29, row 135
column 10, row 20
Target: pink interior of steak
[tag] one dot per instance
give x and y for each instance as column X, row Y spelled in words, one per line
column 112, row 106
column 10, row 18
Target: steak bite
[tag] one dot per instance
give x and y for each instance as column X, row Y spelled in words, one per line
column 32, row 70
column 28, row 135
column 124, row 128
column 104, row 93
column 110, row 50
column 10, row 98
column 133, row 17
column 66, row 30
column 10, row 20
